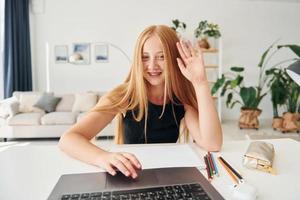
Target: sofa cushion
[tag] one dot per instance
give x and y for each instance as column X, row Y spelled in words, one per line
column 25, row 119
column 66, row 103
column 9, row 107
column 27, row 100
column 84, row 102
column 47, row 103
column 55, row 118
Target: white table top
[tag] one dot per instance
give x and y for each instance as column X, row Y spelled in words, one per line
column 31, row 171
column 284, row 185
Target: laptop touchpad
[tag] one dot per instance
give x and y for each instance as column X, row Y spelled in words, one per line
column 119, row 181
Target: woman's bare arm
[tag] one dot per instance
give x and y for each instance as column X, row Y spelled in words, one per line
column 76, row 143
column 203, row 123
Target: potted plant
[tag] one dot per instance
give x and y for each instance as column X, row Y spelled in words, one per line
column 284, row 91
column 290, row 117
column 204, row 31
column 248, row 97
column 278, row 87
column 178, row 26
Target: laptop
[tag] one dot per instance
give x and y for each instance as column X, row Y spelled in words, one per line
column 161, row 183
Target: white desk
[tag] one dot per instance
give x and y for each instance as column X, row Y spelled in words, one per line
column 31, row 171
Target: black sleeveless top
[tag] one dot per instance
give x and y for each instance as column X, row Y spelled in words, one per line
column 159, row 130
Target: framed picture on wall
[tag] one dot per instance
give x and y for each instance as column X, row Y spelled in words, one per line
column 80, row 54
column 101, row 52
column 61, row 53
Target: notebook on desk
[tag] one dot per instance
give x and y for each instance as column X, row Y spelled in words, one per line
column 162, row 183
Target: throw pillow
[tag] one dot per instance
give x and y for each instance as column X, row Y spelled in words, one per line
column 66, row 103
column 84, row 102
column 13, row 108
column 9, row 107
column 27, row 101
column 47, row 103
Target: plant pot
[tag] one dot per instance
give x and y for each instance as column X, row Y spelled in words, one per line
column 249, row 118
column 297, row 116
column 290, row 123
column 203, row 43
column 277, row 123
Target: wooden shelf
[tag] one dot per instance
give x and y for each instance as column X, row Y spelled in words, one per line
column 211, row 66
column 211, row 50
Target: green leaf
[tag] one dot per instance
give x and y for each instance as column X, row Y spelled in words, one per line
column 224, row 89
column 237, row 81
column 248, row 95
column 293, row 47
column 262, row 60
column 259, row 99
column 176, row 23
column 294, row 95
column 237, row 69
column 229, row 98
column 278, row 92
column 218, row 84
column 270, row 71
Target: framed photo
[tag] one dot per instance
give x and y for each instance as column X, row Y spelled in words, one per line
column 101, row 52
column 80, row 54
column 61, row 54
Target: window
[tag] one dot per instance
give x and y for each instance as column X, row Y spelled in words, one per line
column 1, row 48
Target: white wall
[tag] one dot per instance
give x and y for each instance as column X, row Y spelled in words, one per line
column 248, row 28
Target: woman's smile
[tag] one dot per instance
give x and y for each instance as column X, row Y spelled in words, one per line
column 154, row 74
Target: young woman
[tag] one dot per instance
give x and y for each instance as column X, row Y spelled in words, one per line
column 166, row 88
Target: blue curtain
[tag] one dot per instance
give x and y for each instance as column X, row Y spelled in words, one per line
column 17, row 54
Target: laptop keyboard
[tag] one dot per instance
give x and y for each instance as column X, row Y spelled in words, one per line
column 172, row 192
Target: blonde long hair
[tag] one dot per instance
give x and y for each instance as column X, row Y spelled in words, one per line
column 132, row 94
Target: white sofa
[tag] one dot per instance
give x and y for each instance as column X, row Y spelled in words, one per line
column 20, row 119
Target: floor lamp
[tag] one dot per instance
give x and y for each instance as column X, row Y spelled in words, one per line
column 294, row 71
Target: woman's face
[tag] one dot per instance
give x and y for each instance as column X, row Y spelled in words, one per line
column 153, row 61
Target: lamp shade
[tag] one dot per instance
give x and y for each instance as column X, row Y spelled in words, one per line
column 294, row 71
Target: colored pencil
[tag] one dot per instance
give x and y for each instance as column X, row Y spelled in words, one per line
column 210, row 167
column 207, row 168
column 232, row 176
column 215, row 164
column 231, row 168
column 211, row 163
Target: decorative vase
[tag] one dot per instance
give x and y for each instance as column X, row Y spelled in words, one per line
column 249, row 118
column 203, row 43
column 277, row 123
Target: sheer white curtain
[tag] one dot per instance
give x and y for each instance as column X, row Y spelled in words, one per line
column 1, row 47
